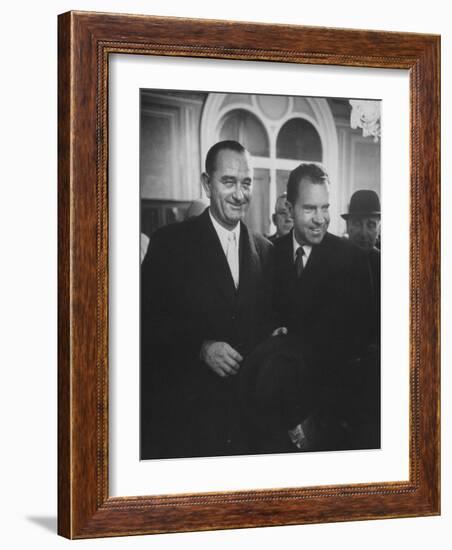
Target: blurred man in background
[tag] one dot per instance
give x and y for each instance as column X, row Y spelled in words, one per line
column 281, row 218
column 363, row 228
column 363, row 219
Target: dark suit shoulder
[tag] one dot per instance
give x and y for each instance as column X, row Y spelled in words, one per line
column 339, row 242
column 167, row 244
column 263, row 245
column 343, row 248
column 174, row 230
column 375, row 260
column 330, row 243
column 283, row 245
column 175, row 236
column 273, row 238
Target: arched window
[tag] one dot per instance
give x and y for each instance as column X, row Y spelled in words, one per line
column 299, row 140
column 244, row 127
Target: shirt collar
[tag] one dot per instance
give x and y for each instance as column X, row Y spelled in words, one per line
column 224, row 233
column 296, row 245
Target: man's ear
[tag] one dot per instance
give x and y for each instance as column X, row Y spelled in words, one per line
column 289, row 209
column 205, row 184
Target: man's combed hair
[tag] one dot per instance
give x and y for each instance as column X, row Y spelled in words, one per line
column 229, row 145
column 314, row 172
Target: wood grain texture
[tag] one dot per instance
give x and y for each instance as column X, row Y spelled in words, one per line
column 85, row 42
column 64, row 296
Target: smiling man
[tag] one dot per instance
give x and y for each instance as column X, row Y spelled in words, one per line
column 205, row 304
column 363, row 219
column 323, row 295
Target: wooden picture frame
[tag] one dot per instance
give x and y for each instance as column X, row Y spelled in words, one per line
column 86, row 40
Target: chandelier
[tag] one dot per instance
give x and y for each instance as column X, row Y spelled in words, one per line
column 366, row 115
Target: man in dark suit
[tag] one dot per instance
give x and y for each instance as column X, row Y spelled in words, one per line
column 363, row 229
column 205, row 304
column 323, row 295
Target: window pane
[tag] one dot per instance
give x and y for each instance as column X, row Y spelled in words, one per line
column 246, row 128
column 299, row 140
column 281, row 181
column 258, row 215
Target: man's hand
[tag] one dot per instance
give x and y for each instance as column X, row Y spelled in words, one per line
column 280, row 331
column 298, row 437
column 223, row 359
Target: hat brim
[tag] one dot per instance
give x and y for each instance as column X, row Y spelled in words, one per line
column 273, row 383
column 360, row 214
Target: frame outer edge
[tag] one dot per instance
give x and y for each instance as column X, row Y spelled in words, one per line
column 87, row 313
column 438, row 175
column 432, row 267
column 64, row 294
column 81, row 511
column 425, row 274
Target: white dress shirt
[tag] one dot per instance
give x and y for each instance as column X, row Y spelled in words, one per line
column 230, row 243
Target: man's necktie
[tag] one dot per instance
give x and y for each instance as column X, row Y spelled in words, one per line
column 232, row 257
column 299, row 261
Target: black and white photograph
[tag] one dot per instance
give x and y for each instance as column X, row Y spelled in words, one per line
column 204, row 344
column 260, row 274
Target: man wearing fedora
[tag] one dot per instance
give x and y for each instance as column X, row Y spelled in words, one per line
column 363, row 229
column 323, row 294
column 363, row 219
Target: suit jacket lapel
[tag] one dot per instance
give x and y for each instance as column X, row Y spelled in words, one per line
column 213, row 257
column 249, row 264
column 286, row 260
column 317, row 255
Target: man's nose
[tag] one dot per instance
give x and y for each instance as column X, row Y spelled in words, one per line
column 362, row 232
column 238, row 192
column 319, row 217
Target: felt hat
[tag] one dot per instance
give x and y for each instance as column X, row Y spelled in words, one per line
column 274, row 385
column 364, row 202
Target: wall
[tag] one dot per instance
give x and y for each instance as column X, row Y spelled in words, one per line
column 170, row 160
column 28, row 274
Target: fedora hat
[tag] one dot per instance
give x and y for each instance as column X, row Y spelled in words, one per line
column 363, row 203
column 274, row 389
